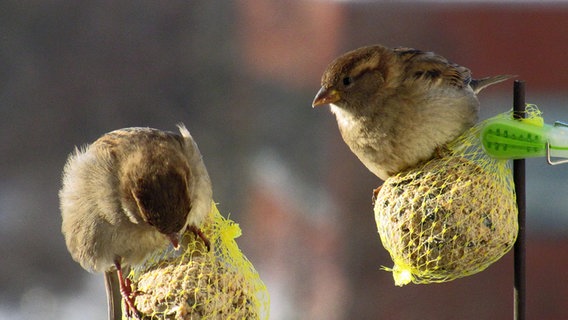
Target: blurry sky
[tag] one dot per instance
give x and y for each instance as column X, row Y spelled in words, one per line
column 241, row 76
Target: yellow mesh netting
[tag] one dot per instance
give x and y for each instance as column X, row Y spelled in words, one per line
column 450, row 217
column 200, row 284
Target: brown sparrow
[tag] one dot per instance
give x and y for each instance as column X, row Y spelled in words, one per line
column 128, row 194
column 395, row 107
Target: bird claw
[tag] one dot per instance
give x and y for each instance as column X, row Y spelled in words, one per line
column 128, row 295
column 199, row 233
column 375, row 194
column 441, row 151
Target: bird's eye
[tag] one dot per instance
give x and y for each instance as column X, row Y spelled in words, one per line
column 347, row 81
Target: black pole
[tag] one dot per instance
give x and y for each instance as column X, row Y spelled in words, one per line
column 519, row 180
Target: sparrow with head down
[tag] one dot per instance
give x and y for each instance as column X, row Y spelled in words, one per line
column 128, row 194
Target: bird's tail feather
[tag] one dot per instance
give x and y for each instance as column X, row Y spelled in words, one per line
column 479, row 84
column 114, row 297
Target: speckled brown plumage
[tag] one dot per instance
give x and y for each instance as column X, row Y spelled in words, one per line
column 395, row 107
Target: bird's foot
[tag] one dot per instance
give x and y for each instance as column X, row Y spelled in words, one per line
column 376, row 194
column 441, row 151
column 127, row 293
column 202, row 236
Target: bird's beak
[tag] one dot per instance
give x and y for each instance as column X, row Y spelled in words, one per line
column 174, row 239
column 325, row 96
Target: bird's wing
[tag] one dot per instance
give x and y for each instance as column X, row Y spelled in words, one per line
column 433, row 69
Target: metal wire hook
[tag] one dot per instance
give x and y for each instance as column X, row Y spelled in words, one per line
column 548, row 156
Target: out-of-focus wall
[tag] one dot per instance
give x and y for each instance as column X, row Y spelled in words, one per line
column 242, row 76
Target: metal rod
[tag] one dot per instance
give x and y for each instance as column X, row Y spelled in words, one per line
column 519, row 180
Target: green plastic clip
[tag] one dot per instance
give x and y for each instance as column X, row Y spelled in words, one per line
column 506, row 138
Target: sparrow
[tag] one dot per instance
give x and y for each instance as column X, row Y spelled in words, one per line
column 396, row 107
column 128, row 194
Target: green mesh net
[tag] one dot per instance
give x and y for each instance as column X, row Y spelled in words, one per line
column 200, row 284
column 450, row 217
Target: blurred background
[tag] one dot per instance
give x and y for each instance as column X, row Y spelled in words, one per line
column 242, row 75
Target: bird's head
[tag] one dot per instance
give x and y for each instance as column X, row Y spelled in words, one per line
column 357, row 79
column 159, row 193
